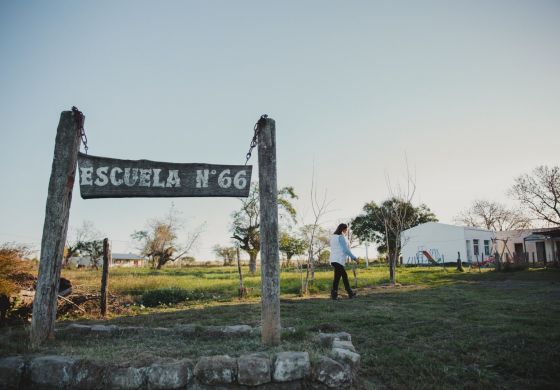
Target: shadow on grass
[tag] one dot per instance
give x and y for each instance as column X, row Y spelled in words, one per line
column 448, row 330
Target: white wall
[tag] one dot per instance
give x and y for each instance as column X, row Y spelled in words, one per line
column 433, row 236
column 481, row 235
column 445, row 240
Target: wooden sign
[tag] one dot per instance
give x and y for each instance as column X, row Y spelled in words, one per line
column 102, row 177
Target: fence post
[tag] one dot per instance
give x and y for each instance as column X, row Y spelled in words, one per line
column 105, row 276
column 59, row 198
column 270, row 275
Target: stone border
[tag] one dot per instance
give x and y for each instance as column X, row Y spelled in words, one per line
column 187, row 329
column 285, row 370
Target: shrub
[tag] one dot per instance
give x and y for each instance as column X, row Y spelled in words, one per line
column 12, row 268
column 166, row 296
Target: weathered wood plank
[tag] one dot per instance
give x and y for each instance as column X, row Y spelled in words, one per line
column 59, row 198
column 102, row 177
column 270, row 262
column 105, row 276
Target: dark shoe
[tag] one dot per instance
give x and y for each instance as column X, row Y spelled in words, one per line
column 352, row 295
column 334, row 295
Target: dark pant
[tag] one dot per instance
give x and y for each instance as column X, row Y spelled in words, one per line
column 339, row 272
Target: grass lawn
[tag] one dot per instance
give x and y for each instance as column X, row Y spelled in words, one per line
column 439, row 330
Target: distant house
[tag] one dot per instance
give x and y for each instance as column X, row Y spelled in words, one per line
column 435, row 242
column 118, row 260
column 127, row 260
column 83, row 261
column 532, row 245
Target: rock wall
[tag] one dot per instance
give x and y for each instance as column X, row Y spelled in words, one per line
column 284, row 370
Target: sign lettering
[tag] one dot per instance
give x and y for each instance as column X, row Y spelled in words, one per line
column 102, row 177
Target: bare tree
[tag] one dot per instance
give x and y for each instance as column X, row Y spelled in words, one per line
column 226, row 253
column 539, row 192
column 493, row 216
column 319, row 206
column 385, row 223
column 161, row 243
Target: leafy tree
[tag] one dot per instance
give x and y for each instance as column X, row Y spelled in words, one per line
column 226, row 253
column 94, row 249
column 493, row 216
column 291, row 245
column 82, row 241
column 383, row 224
column 246, row 221
column 539, row 192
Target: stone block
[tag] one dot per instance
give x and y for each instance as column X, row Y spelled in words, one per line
column 326, row 339
column 172, row 375
column 51, row 371
column 331, row 373
column 343, row 344
column 104, row 329
column 11, row 372
column 78, row 329
column 237, row 330
column 88, row 375
column 125, row 378
column 254, row 369
column 216, row 370
column 291, row 366
column 345, row 356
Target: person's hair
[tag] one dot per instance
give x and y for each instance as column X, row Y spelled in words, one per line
column 342, row 227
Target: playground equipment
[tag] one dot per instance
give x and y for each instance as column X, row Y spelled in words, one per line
column 432, row 256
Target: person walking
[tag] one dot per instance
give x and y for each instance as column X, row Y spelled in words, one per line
column 339, row 251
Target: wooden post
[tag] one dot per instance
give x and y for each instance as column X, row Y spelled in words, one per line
column 367, row 258
column 59, row 198
column 105, row 276
column 459, row 263
column 270, row 262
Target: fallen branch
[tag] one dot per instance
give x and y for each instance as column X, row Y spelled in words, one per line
column 69, row 301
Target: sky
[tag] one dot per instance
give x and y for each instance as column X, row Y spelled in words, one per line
column 466, row 93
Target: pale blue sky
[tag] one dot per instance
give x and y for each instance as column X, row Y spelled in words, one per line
column 469, row 91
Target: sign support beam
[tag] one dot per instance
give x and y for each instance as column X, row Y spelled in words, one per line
column 270, row 263
column 66, row 148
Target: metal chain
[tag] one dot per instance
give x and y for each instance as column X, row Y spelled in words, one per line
column 80, row 123
column 254, row 141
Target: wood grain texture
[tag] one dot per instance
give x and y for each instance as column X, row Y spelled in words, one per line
column 270, row 262
column 105, row 276
column 55, row 227
column 102, row 177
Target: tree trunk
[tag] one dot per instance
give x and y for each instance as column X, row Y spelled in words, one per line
column 59, row 198
column 392, row 268
column 252, row 262
column 242, row 289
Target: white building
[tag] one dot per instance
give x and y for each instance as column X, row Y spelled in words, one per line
column 532, row 245
column 118, row 260
column 439, row 242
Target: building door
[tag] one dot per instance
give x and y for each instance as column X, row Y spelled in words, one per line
column 541, row 251
column 469, row 251
column 557, row 250
column 518, row 251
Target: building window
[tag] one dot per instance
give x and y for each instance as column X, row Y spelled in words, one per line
column 487, row 247
column 475, row 245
